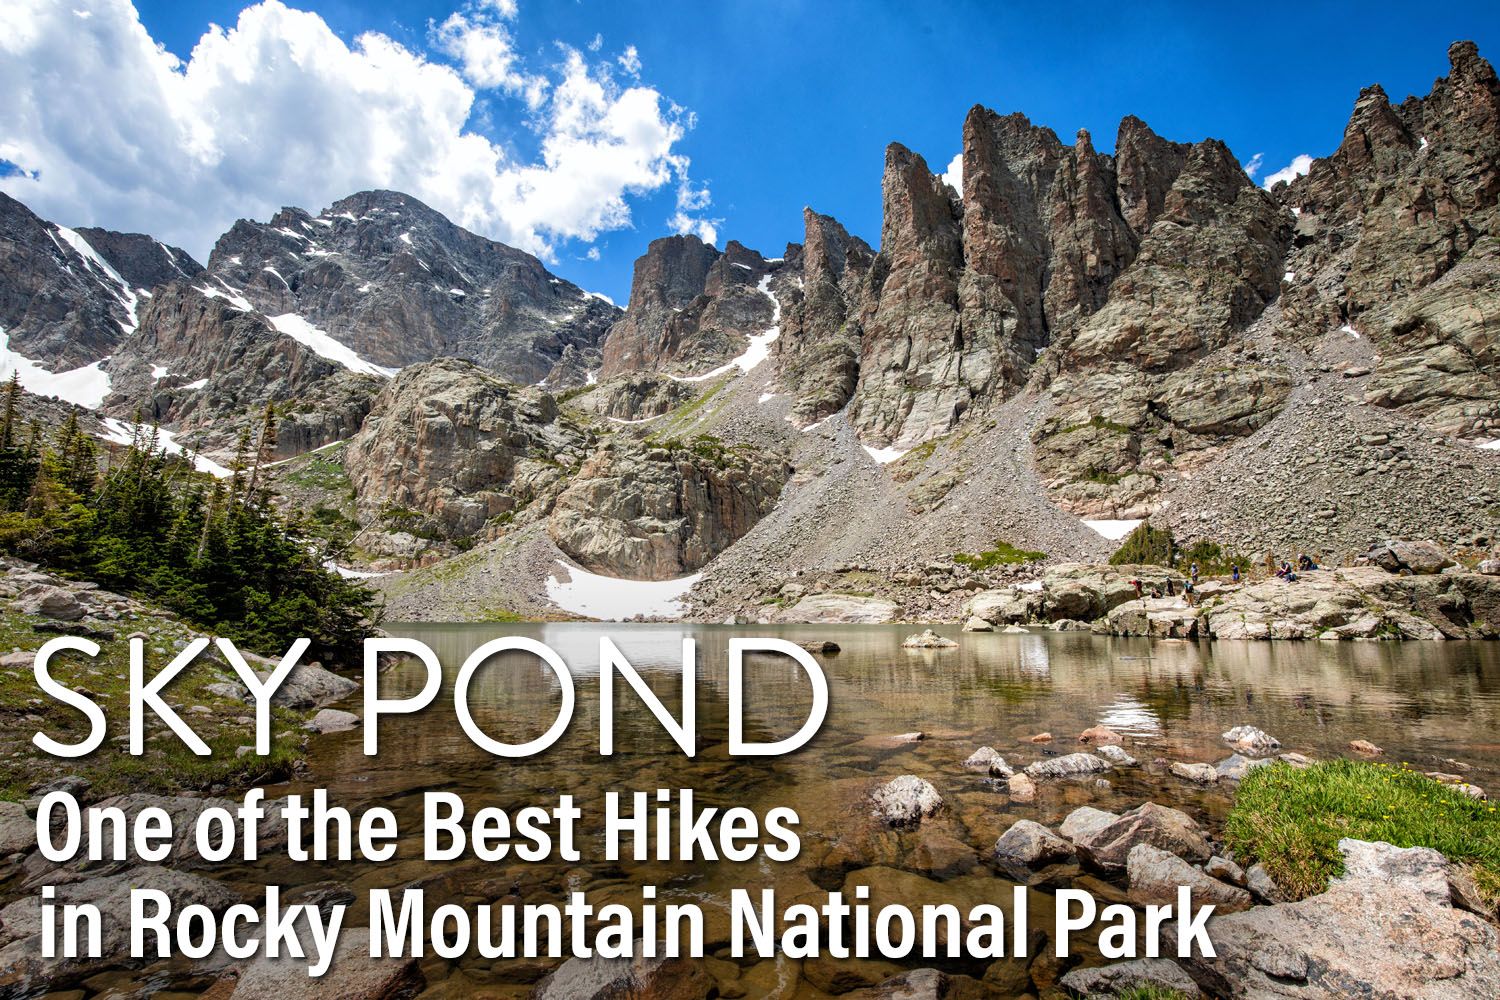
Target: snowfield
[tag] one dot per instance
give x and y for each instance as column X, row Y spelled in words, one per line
column 610, row 598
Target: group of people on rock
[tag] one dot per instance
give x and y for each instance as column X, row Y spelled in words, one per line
column 1284, row 571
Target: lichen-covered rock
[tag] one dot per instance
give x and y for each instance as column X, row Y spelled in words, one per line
column 1366, row 936
column 906, row 801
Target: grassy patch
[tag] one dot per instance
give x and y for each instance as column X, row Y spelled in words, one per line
column 1291, row 821
column 1150, row 991
column 1002, row 554
column 321, row 471
column 503, row 616
column 1156, row 547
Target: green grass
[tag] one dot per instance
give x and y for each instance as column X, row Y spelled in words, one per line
column 321, row 471
column 1291, row 821
column 1150, row 991
column 1002, row 554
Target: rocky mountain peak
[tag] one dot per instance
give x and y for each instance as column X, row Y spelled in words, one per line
column 395, row 282
column 691, row 307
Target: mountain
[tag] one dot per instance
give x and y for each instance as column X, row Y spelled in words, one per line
column 1073, row 341
column 69, row 296
column 397, row 283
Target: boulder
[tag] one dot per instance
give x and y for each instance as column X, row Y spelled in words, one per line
column 17, row 829
column 23, row 970
column 1367, row 936
column 1116, row 755
column 1067, row 766
column 1248, row 739
column 1106, row 846
column 924, row 984
column 1155, row 876
column 1225, row 871
column 839, row 609
column 1420, row 868
column 332, row 720
column 989, row 761
column 976, row 624
column 1100, row 736
column 1028, row 846
column 354, row 975
column 1002, row 607
column 1106, row 982
column 50, row 602
column 308, row 686
column 627, row 979
column 1021, row 787
column 1203, row 774
column 928, row 639
column 1417, row 558
column 906, row 801
column 1262, row 886
column 1235, row 767
column 1084, row 820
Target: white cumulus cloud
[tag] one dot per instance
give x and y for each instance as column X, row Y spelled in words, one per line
column 1300, row 165
column 954, row 175
column 105, row 127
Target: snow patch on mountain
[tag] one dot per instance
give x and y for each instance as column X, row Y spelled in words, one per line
column 86, row 386
column 325, row 346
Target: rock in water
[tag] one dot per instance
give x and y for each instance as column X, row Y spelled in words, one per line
column 1249, row 739
column 627, row 979
column 1107, row 845
column 1027, row 846
column 928, row 639
column 1100, row 736
column 988, row 760
column 1116, row 755
column 1021, row 788
column 1067, row 766
column 906, row 801
column 1155, row 876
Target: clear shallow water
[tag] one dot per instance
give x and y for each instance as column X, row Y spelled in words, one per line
column 1422, row 702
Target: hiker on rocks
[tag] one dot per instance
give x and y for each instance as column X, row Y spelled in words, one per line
column 1193, row 571
column 1234, row 573
column 1187, row 592
column 1138, row 593
column 1170, row 591
column 1305, row 563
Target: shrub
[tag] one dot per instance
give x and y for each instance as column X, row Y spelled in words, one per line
column 1145, row 545
column 1002, row 554
column 1291, row 821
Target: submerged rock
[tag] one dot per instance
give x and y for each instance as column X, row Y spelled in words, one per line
column 1203, row 774
column 1021, row 788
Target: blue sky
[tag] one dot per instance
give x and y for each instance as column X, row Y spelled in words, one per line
column 793, row 103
